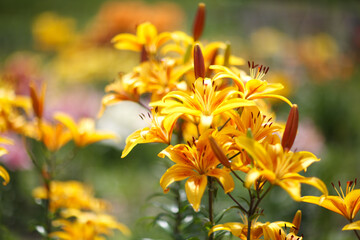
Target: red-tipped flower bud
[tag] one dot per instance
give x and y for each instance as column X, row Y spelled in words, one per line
column 291, row 128
column 199, row 65
column 199, row 22
column 296, row 221
column 219, row 152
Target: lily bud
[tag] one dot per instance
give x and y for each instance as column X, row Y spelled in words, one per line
column 199, row 21
column 144, row 55
column 296, row 221
column 212, row 62
column 37, row 99
column 219, row 152
column 290, row 128
column 199, row 65
column 227, row 55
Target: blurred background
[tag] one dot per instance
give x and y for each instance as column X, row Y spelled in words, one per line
column 313, row 47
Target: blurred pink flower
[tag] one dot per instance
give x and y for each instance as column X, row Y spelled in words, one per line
column 20, row 68
column 17, row 157
column 308, row 138
column 78, row 102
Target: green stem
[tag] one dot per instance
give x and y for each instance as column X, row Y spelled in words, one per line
column 262, row 197
column 237, row 176
column 356, row 232
column 211, row 200
column 232, row 198
column 250, row 214
column 178, row 214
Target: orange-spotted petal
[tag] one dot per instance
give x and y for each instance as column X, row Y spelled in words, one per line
column 173, row 174
column 194, row 188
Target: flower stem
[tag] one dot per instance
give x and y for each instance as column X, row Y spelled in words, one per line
column 211, row 200
column 232, row 198
column 250, row 214
column 356, row 232
column 178, row 214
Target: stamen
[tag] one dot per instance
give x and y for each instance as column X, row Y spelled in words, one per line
column 348, row 186
column 342, row 193
column 338, row 193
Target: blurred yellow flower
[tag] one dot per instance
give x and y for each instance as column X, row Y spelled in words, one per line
column 196, row 163
column 3, row 173
column 13, row 110
column 84, row 132
column 53, row 32
column 54, row 136
column 146, row 37
column 86, row 226
column 70, row 194
column 279, row 167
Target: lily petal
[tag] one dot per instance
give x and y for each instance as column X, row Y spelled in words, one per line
column 194, row 188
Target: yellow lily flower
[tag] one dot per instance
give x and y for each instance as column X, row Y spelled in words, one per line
column 160, row 131
column 266, row 231
column 279, row 167
column 195, row 162
column 146, row 36
column 84, row 132
column 352, row 226
column 204, row 102
column 156, row 78
column 260, row 125
column 251, row 87
column 346, row 204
